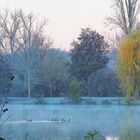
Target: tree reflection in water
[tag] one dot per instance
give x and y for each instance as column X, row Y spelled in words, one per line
column 129, row 129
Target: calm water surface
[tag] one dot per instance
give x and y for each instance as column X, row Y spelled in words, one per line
column 37, row 122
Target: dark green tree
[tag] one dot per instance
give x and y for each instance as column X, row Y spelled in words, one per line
column 88, row 55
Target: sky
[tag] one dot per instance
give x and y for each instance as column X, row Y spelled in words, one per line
column 65, row 17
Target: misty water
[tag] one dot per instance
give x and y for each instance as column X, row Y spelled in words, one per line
column 34, row 122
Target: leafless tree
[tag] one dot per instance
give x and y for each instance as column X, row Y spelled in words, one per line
column 113, row 39
column 126, row 15
column 31, row 33
column 9, row 26
column 24, row 33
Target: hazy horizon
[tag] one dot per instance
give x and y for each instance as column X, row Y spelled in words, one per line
column 65, row 18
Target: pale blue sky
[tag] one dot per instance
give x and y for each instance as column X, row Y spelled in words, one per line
column 66, row 17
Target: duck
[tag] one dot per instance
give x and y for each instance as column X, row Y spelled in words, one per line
column 69, row 120
column 52, row 119
column 62, row 120
column 29, row 120
column 56, row 119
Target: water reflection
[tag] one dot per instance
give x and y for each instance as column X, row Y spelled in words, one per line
column 113, row 122
column 130, row 127
column 111, row 138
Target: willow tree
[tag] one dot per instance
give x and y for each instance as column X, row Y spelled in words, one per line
column 129, row 64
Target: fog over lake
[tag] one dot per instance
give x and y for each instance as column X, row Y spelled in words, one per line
column 33, row 122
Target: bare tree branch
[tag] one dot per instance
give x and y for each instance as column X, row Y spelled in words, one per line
column 126, row 15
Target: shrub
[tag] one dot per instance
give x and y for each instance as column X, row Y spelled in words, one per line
column 91, row 134
column 75, row 91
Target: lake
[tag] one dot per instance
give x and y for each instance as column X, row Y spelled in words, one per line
column 70, row 122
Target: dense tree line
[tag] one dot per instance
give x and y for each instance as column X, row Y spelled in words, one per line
column 41, row 70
